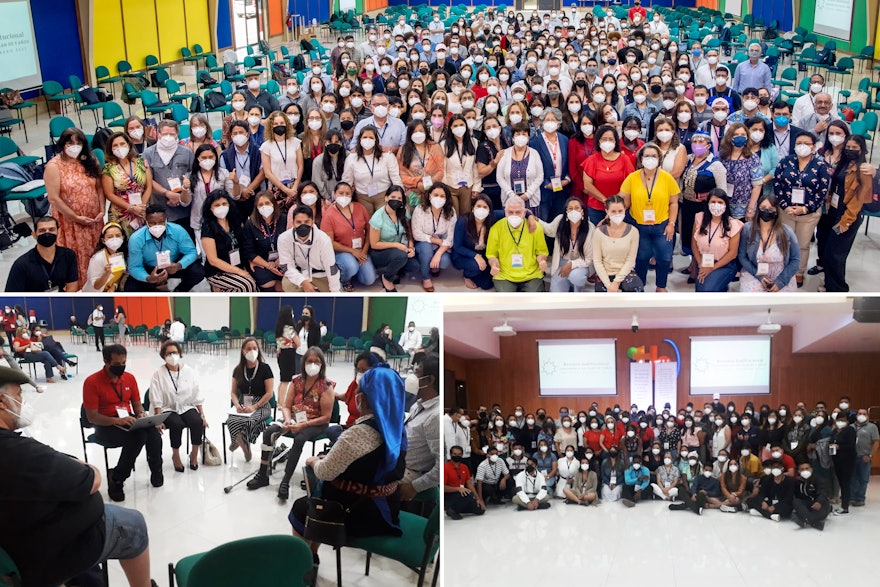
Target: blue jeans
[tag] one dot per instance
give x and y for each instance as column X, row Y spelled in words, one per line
column 424, row 253
column 653, row 243
column 860, row 478
column 718, row 280
column 349, row 268
column 577, row 278
column 125, row 533
column 45, row 358
column 595, row 216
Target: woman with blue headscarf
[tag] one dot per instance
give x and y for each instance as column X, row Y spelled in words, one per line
column 363, row 468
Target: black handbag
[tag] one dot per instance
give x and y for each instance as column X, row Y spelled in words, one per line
column 325, row 522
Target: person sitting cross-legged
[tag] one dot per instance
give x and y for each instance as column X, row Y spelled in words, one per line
column 584, row 488
column 531, row 489
column 635, row 480
column 811, row 505
column 493, row 477
column 776, row 495
column 705, row 493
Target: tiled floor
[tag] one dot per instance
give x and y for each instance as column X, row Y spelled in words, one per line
column 191, row 513
column 616, row 546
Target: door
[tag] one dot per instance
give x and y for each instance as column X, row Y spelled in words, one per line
column 247, row 22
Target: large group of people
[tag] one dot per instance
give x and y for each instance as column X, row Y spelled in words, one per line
column 387, row 450
column 789, row 462
column 416, row 150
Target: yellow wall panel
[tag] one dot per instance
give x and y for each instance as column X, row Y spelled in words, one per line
column 172, row 29
column 198, row 28
column 141, row 38
column 109, row 42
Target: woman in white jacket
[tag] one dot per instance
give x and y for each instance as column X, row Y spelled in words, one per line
column 572, row 248
column 520, row 170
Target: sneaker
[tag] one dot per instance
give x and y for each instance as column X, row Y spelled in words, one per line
column 259, row 480
column 857, row 504
column 544, row 506
column 775, row 517
column 820, row 525
column 798, row 520
column 678, row 506
column 157, row 479
column 841, row 511
column 728, row 509
column 457, row 516
column 699, row 511
column 628, row 503
column 114, row 489
column 754, row 512
column 283, row 490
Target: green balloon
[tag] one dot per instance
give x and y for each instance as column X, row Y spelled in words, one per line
column 631, row 351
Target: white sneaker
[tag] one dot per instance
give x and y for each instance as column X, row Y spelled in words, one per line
column 775, row 517
column 40, row 388
column 728, row 508
column 840, row 512
column 754, row 512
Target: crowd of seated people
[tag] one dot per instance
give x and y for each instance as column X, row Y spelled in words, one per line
column 416, row 151
column 783, row 463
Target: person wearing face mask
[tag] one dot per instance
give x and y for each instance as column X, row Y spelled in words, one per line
column 391, row 131
column 221, row 242
column 73, row 520
column 768, row 251
column 282, row 156
column 801, row 184
column 107, row 266
column 584, row 487
column 823, row 113
column 26, row 347
column 161, row 250
column 615, row 248
column 843, row 451
column 493, row 478
column 205, row 177
column 110, row 397
column 637, row 477
column 867, row 443
column 469, row 245
column 74, row 192
column 744, row 172
column 775, row 497
column 254, row 96
column 811, row 505
column 613, row 469
column 421, row 160
column 433, row 224
column 362, row 363
column 370, row 170
column 171, row 164
column 552, row 148
column 260, row 242
column 668, row 478
column 126, row 182
column 243, row 162
column 517, row 254
column 174, row 388
column 715, row 241
column 136, row 131
column 565, row 436
column 531, row 489
column 307, row 408
column 307, row 253
column 572, row 249
column 457, row 432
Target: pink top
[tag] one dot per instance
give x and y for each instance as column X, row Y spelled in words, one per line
column 720, row 243
column 343, row 228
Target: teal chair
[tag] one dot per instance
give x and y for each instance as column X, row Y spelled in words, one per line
column 54, row 92
column 113, row 115
column 11, row 153
column 99, row 155
column 57, row 125
column 80, row 104
column 188, row 57
column 251, row 63
column 84, row 425
column 211, row 64
column 152, row 105
column 24, row 105
column 173, row 89
column 273, row 403
column 272, row 560
column 102, row 75
column 152, row 62
column 9, row 573
column 198, row 51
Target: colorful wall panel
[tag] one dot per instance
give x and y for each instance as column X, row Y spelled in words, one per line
column 109, row 34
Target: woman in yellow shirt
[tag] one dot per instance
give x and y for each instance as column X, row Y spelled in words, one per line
column 651, row 195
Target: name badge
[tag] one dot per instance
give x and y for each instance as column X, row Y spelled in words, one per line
column 135, row 199
column 122, row 412
column 244, row 180
column 163, row 259
column 556, row 183
column 835, row 200
column 235, row 257
column 614, row 479
column 174, row 184
column 794, row 445
column 117, row 262
column 285, row 176
column 357, row 243
column 798, row 196
column 371, row 190
column 763, row 269
column 665, row 446
column 462, row 179
column 516, row 261
column 708, row 260
column 519, row 186
column 273, row 255
column 300, row 417
column 730, row 188
column 649, row 216
column 51, row 289
column 427, row 182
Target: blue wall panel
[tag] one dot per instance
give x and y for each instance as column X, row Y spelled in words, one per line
column 343, row 315
column 310, row 9
column 58, row 40
column 224, row 26
column 348, row 316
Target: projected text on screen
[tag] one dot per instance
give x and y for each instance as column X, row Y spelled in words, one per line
column 577, row 367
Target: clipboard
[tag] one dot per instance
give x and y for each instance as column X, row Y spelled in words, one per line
column 146, row 422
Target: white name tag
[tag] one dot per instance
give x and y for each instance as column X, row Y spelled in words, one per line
column 122, row 412
column 794, row 445
column 649, row 216
column 665, row 446
column 244, row 180
column 798, row 196
column 462, row 179
column 519, row 186
column 516, row 261
column 273, row 255
column 730, row 190
column 135, row 199
column 556, row 183
column 427, row 182
column 708, row 260
column 300, row 417
column 763, row 269
column 835, row 200
column 163, row 259
column 614, row 478
column 235, row 257
column 357, row 243
column 174, row 184
column 117, row 262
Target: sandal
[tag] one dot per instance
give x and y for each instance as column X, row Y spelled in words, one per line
column 469, row 283
column 347, row 287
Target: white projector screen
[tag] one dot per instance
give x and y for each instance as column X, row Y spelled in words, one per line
column 19, row 65
column 730, row 365
column 577, row 367
column 834, row 18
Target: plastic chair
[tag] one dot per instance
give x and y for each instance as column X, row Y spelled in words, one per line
column 273, row 403
column 57, row 125
column 54, row 92
column 172, row 88
column 102, row 75
column 269, row 558
column 92, row 439
column 79, row 103
column 9, row 147
column 152, row 105
column 152, row 62
column 113, row 115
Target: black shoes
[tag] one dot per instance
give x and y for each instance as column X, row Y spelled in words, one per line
column 114, row 489
column 157, row 479
column 815, row 270
column 457, row 516
column 259, row 480
column 283, row 490
column 544, row 506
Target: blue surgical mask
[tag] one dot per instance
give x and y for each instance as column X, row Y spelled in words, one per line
column 739, row 141
column 781, row 120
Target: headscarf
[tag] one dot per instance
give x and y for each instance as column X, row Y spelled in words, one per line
column 384, row 390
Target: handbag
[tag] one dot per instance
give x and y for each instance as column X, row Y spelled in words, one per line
column 325, row 522
column 210, row 454
column 11, row 98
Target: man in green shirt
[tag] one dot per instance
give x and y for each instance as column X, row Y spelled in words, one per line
column 517, row 257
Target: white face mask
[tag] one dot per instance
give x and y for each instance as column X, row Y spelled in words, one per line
column 459, row 131
column 861, row 418
column 25, row 415
column 520, row 140
column 173, row 359
column 514, row 221
column 542, row 448
column 253, row 120
column 841, row 424
column 73, row 151
column 120, row 152
column 238, row 105
column 312, row 369
column 550, row 127
column 220, row 211
column 207, row 164
column 649, row 163
column 719, row 115
column 667, row 461
column 607, row 146
column 700, row 100
column 157, row 230
column 136, row 134
column 585, row 466
column 803, row 150
column 587, row 129
column 114, row 244
column 493, row 133
column 368, row 143
column 617, row 219
column 717, row 210
column 836, row 140
column 776, row 471
column 309, row 199
column 240, row 140
column 251, row 356
column 315, row 124
column 438, row 202
column 380, row 111
column 640, row 98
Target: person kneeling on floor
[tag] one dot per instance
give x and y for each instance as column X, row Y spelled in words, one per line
column 705, row 493
column 811, row 505
column 461, row 497
column 531, row 489
column 493, row 477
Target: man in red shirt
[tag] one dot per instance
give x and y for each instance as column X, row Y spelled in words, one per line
column 460, row 496
column 110, row 397
column 637, row 9
column 788, row 464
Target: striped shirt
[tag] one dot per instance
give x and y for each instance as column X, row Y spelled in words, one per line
column 423, row 443
column 491, row 473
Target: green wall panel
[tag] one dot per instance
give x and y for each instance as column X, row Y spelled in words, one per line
column 859, row 32
column 388, row 309
column 240, row 313
column 181, row 307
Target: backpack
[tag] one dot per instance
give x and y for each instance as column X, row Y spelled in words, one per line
column 196, row 104
column 873, row 207
column 99, row 140
column 89, row 95
column 214, row 100
column 279, row 72
column 264, row 47
column 206, row 80
column 306, row 45
column 299, row 63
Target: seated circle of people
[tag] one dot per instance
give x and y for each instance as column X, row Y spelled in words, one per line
column 555, row 113
column 801, row 464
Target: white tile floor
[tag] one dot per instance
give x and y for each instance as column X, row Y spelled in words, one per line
column 614, row 546
column 191, row 513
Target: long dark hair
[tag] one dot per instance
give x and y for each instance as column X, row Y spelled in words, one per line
column 409, row 148
column 377, row 150
column 285, row 318
column 86, row 158
column 467, row 144
column 209, row 221
column 327, row 163
column 563, row 233
column 238, row 372
column 447, row 210
column 827, row 147
column 472, row 221
column 855, row 163
column 196, row 171
column 768, row 135
column 707, row 216
column 778, row 227
column 601, row 131
column 401, row 213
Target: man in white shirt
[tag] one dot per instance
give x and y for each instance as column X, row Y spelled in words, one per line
column 391, row 131
column 823, row 113
column 437, row 29
column 307, row 253
column 531, row 489
column 411, row 338
column 177, row 330
column 806, row 104
column 457, row 432
column 658, row 27
column 97, row 322
column 401, row 28
column 704, row 74
column 554, row 71
column 368, row 47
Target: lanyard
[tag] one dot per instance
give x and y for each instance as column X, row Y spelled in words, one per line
column 653, row 183
column 766, row 243
column 422, row 159
column 784, row 138
column 515, row 240
column 458, row 151
column 208, row 183
column 284, row 155
column 712, row 234
column 350, row 221
column 382, row 132
column 371, row 169
column 241, row 165
column 116, row 389
column 308, row 254
column 396, row 223
column 171, row 377
column 48, row 273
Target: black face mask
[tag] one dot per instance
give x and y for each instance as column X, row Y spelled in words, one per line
column 47, row 239
column 531, row 470
column 395, row 204
column 117, row 370
column 391, row 91
column 334, row 148
column 424, row 71
column 542, row 416
column 656, row 88
column 279, row 131
column 767, row 216
column 764, row 101
column 455, row 458
column 303, row 230
column 581, row 83
column 531, row 72
column 347, row 124
column 612, row 454
column 851, row 154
